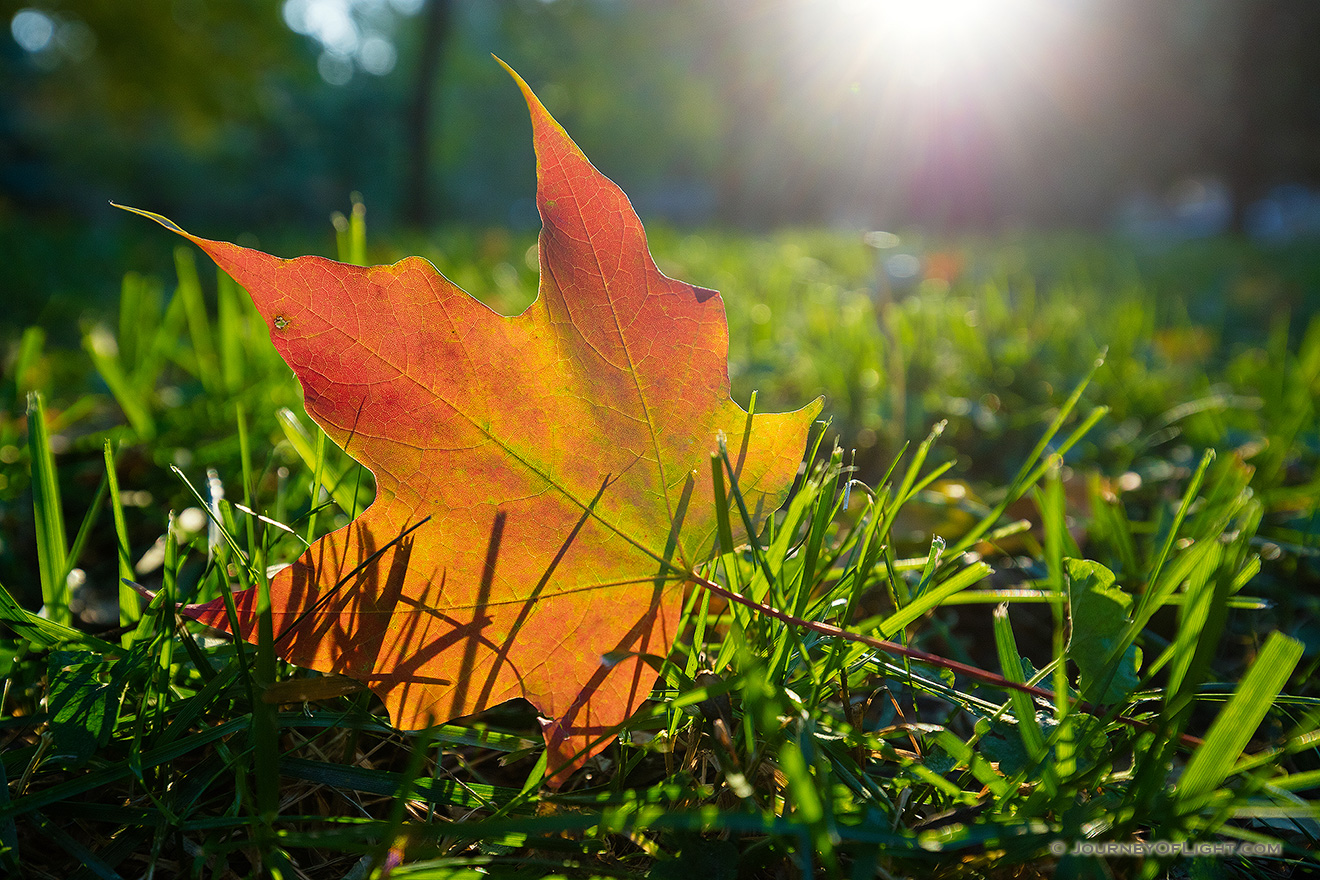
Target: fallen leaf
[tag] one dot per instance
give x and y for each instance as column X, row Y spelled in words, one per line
column 558, row 462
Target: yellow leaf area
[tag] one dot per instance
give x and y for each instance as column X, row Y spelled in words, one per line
column 561, row 456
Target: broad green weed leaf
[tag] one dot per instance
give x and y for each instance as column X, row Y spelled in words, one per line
column 1100, row 614
column 539, row 491
column 83, row 698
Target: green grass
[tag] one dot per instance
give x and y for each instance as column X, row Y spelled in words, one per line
column 1134, row 543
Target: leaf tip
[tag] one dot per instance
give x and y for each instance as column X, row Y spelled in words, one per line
column 522, row 83
column 815, row 406
column 543, row 123
column 163, row 221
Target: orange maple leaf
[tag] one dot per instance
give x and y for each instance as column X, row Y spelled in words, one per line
column 555, row 461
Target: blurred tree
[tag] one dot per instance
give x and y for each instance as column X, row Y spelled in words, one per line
column 760, row 112
column 1272, row 135
column 126, row 88
column 437, row 23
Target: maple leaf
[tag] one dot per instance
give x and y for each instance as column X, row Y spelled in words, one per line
column 554, row 461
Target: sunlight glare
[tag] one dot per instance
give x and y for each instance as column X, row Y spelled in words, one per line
column 933, row 39
column 941, row 25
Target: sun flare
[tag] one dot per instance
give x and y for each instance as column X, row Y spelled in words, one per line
column 931, row 42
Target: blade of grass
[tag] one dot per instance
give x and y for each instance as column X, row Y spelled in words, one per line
column 387, row 783
column 809, row 808
column 934, row 597
column 199, row 326
column 398, row 809
column 230, row 316
column 104, row 353
column 130, row 606
column 85, row 528
column 826, row 507
column 265, row 725
column 1194, row 614
column 357, row 232
column 907, row 488
column 1010, row 661
column 44, row 632
column 1032, row 467
column 1237, row 722
column 10, row 858
column 1147, row 602
column 724, row 530
column 75, row 848
column 318, row 469
column 29, row 352
column 48, row 511
column 165, row 650
column 100, row 777
column 1054, row 518
column 244, row 564
column 312, row 452
column 139, row 315
column 165, row 345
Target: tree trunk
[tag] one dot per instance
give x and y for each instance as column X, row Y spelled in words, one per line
column 1253, row 122
column 437, row 21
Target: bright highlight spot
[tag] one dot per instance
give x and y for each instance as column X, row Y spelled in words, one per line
column 932, row 39
column 377, row 55
column 32, row 30
column 349, row 32
column 329, row 21
column 334, row 68
column 936, row 26
column 949, row 43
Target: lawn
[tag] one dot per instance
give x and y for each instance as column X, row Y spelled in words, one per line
column 1074, row 463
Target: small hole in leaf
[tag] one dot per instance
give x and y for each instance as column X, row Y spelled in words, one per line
column 281, row 322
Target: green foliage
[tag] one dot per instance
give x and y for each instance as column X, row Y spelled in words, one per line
column 1098, row 612
column 1143, row 533
column 82, row 707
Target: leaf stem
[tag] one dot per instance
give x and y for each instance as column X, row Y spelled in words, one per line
column 894, row 649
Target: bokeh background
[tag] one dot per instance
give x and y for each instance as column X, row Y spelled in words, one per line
column 1178, row 142
column 1183, row 117
column 939, row 215
column 931, row 212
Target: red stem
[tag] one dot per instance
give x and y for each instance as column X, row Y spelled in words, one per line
column 895, row 649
